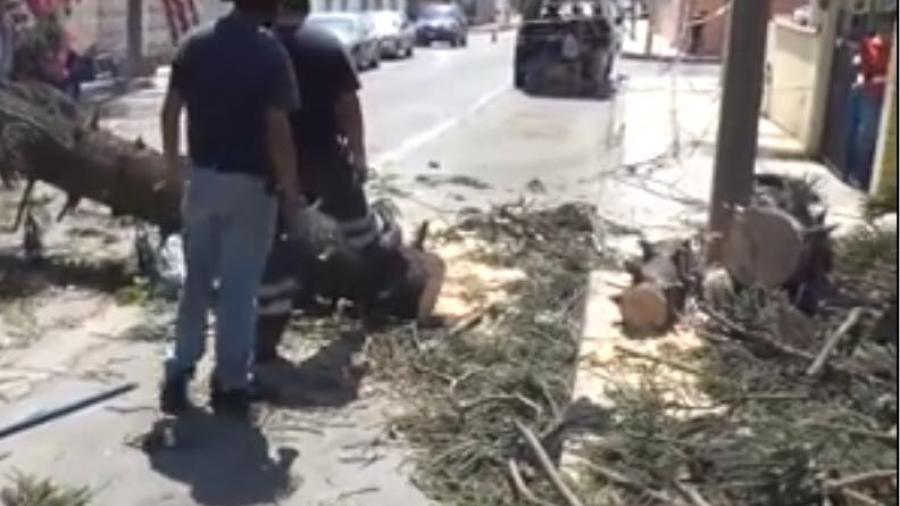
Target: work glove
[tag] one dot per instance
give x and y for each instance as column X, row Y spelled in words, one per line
column 298, row 221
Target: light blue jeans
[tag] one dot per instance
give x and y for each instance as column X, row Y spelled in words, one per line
column 229, row 225
column 865, row 117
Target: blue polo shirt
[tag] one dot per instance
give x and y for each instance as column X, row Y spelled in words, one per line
column 230, row 74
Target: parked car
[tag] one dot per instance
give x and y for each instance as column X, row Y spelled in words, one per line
column 356, row 32
column 540, row 65
column 442, row 22
column 396, row 35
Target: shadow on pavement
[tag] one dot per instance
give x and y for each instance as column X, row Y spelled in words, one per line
column 225, row 461
column 330, row 378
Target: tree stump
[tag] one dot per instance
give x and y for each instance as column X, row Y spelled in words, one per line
column 763, row 247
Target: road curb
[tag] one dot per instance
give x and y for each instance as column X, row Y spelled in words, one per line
column 606, row 361
column 598, row 330
column 700, row 60
column 492, row 27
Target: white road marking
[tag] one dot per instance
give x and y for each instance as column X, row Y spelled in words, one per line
column 418, row 140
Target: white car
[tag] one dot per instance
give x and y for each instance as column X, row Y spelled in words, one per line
column 357, row 34
column 396, row 35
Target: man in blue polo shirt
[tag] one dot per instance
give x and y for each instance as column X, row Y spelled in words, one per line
column 237, row 86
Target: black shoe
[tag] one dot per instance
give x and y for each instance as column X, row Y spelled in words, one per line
column 173, row 395
column 237, row 400
column 267, row 357
column 276, row 360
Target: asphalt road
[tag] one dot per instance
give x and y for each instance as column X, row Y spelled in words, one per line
column 403, row 100
column 447, row 131
column 412, row 99
column 446, row 127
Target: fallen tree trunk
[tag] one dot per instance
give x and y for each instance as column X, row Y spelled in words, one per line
column 45, row 137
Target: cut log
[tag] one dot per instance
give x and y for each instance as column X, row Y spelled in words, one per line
column 645, row 309
column 660, row 284
column 763, row 247
column 781, row 241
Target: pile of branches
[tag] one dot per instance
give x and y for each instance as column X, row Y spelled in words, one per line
column 786, row 409
column 493, row 388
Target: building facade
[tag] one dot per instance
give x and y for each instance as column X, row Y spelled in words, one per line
column 699, row 27
column 810, row 81
column 143, row 29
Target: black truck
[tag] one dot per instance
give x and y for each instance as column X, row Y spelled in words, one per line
column 568, row 48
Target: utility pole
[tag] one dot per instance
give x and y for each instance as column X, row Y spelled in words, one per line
column 134, row 30
column 651, row 24
column 742, row 89
column 6, row 42
column 634, row 18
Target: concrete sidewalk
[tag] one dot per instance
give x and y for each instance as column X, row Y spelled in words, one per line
column 669, row 146
column 671, row 124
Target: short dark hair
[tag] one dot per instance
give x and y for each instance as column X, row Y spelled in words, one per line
column 266, row 6
column 297, row 6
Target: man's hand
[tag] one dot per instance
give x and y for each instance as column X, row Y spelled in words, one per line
column 298, row 219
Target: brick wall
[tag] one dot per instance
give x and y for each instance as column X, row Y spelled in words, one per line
column 104, row 25
column 670, row 12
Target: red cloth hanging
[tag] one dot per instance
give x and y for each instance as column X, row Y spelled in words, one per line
column 169, row 9
column 182, row 17
column 195, row 16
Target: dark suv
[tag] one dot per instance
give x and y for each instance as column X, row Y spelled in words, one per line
column 442, row 22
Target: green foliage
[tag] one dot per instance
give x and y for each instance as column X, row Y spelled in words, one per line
column 466, row 388
column 884, row 203
column 868, row 247
column 27, row 490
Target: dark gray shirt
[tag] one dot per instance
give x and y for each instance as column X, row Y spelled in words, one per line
column 230, row 74
column 321, row 59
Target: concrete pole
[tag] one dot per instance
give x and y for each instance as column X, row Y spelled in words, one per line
column 6, row 42
column 634, row 19
column 134, row 20
column 651, row 24
column 742, row 90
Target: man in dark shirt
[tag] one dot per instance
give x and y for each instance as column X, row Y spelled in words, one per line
column 329, row 133
column 237, row 86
